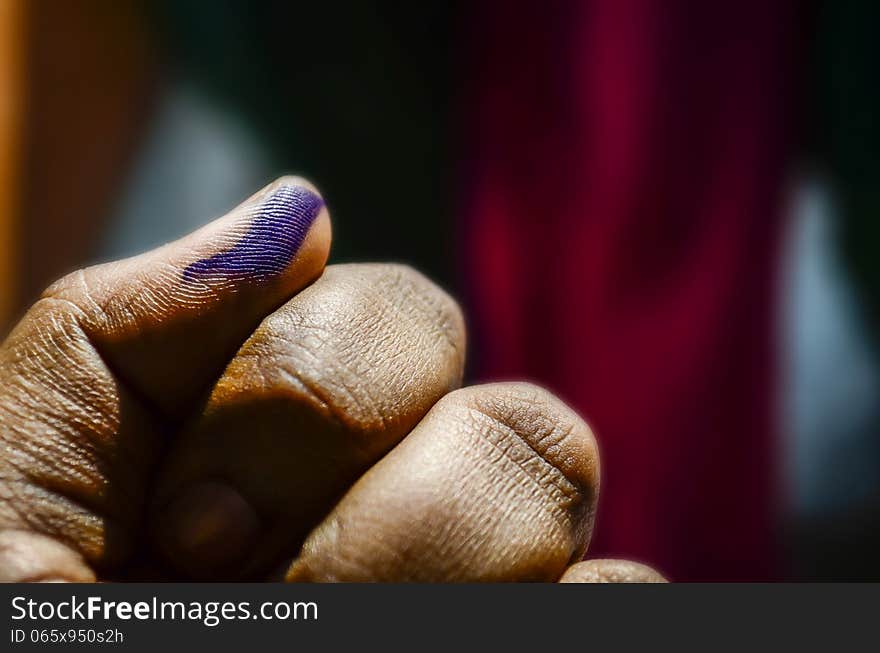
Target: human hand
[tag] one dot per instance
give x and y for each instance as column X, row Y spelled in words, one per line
column 224, row 407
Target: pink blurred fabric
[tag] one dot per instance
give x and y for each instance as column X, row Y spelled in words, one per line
column 624, row 167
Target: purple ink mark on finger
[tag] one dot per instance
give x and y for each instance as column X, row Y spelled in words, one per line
column 275, row 235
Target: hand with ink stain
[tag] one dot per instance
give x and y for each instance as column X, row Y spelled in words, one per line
column 226, row 407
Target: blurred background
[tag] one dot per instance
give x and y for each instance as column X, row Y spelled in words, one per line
column 666, row 211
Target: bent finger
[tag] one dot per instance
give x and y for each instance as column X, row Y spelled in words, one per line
column 497, row 483
column 611, row 571
column 323, row 388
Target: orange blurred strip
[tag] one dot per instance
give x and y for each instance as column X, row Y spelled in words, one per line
column 11, row 94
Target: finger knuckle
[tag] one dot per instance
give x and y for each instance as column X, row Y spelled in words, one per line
column 552, row 430
column 367, row 344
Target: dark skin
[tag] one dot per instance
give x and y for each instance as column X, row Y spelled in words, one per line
column 309, row 427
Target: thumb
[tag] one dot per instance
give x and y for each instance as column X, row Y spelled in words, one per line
column 168, row 321
column 96, row 367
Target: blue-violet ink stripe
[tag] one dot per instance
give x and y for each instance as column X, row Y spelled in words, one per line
column 278, row 229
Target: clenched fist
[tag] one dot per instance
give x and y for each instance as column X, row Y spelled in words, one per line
column 224, row 407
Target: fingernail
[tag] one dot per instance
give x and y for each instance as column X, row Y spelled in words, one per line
column 207, row 529
column 278, row 227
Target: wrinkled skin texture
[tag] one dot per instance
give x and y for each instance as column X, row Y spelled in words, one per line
column 309, row 427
